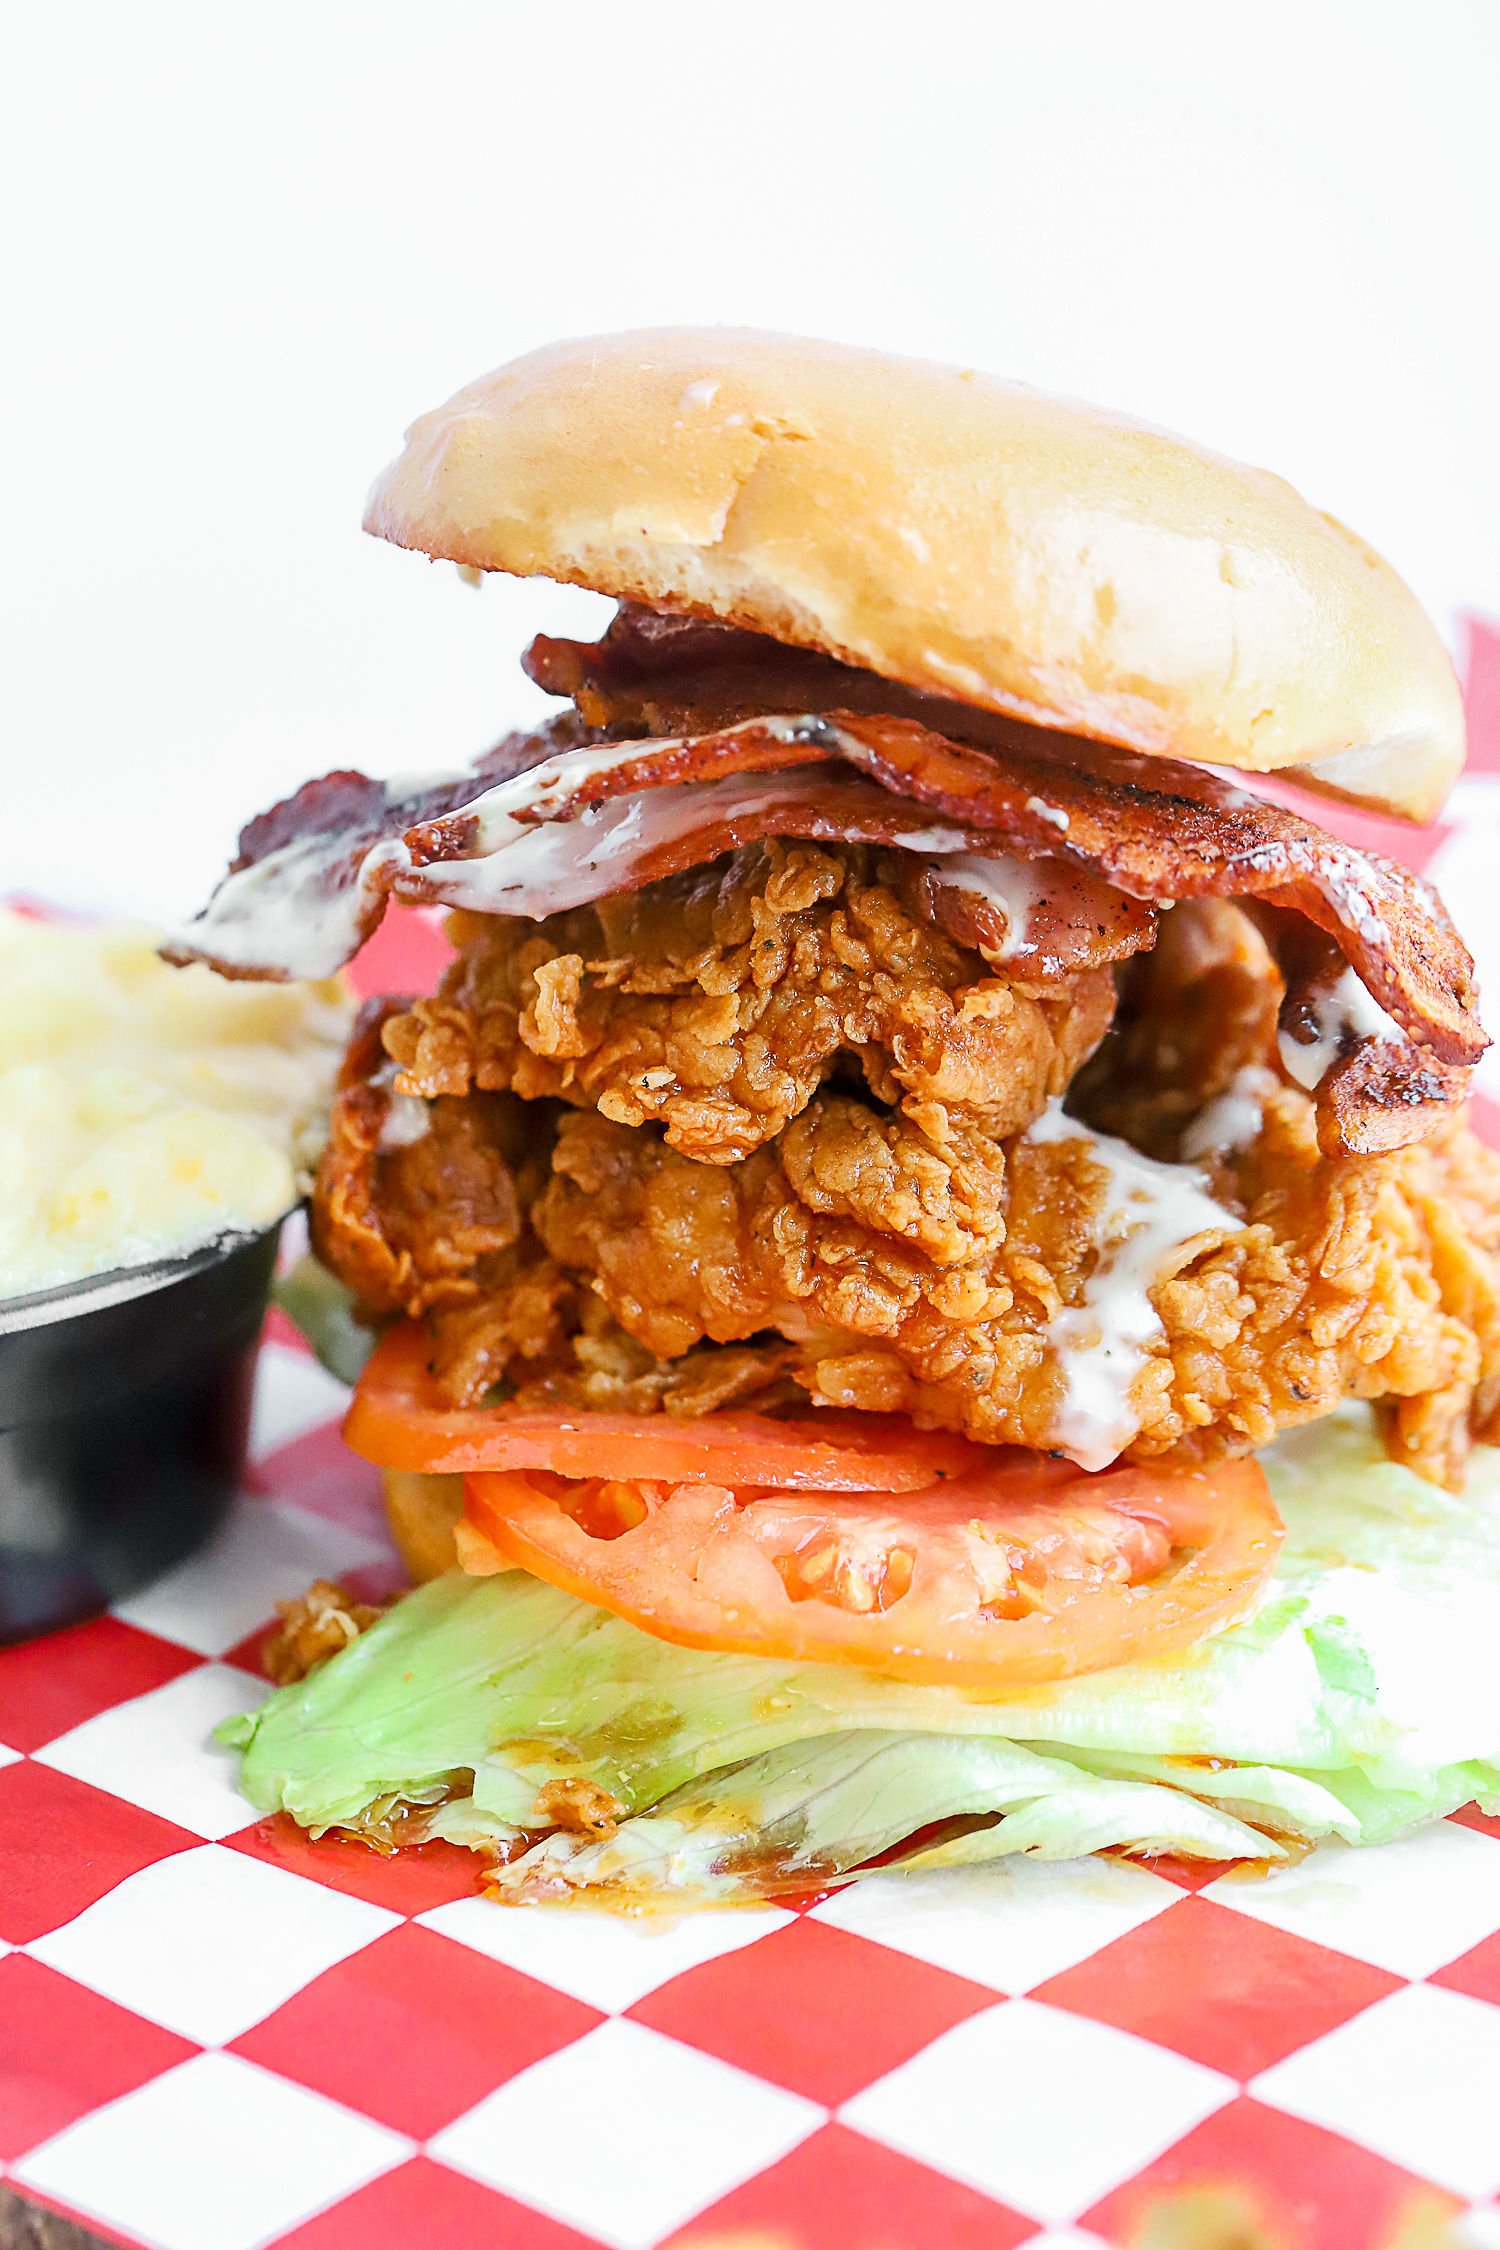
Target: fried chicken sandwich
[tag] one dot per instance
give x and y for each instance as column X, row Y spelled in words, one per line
column 931, row 1292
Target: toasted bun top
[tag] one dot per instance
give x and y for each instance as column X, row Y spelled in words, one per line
column 954, row 532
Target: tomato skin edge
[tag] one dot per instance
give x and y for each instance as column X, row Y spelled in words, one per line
column 397, row 1421
column 1097, row 1630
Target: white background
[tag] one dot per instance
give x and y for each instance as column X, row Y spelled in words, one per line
column 250, row 242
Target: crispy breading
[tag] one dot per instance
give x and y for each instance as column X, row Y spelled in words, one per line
column 438, row 1222
column 440, row 1228
column 1351, row 1278
column 582, row 1357
column 880, row 1244
column 717, row 1002
column 314, row 1627
column 407, row 1228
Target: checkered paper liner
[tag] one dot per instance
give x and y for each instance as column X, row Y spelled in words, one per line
column 215, row 2034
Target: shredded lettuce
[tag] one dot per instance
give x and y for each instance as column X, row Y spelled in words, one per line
column 1361, row 1699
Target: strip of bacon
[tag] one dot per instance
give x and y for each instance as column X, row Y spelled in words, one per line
column 1157, row 831
column 656, row 674
column 564, row 821
column 314, row 875
column 1189, row 834
column 1385, row 1095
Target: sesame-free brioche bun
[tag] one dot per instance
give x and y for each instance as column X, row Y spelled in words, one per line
column 423, row 1512
column 960, row 534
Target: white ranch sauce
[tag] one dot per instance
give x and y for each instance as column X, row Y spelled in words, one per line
column 541, row 868
column 1014, row 887
column 1232, row 1119
column 545, row 867
column 1346, row 1014
column 1039, row 807
column 281, row 913
column 541, row 787
column 1152, row 1210
column 407, row 1121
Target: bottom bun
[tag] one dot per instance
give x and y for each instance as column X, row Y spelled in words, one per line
column 422, row 1512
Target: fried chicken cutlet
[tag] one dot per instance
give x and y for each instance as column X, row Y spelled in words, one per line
column 764, row 1130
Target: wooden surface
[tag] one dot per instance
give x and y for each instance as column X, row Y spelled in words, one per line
column 25, row 2226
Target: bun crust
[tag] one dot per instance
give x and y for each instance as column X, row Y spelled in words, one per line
column 960, row 534
column 422, row 1512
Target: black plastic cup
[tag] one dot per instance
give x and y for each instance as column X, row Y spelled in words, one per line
column 124, row 1415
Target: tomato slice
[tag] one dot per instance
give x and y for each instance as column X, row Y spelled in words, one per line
column 399, row 1421
column 1020, row 1571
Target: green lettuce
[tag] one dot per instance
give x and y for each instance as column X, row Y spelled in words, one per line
column 317, row 1303
column 1359, row 1699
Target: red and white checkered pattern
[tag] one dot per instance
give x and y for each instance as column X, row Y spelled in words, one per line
column 215, row 2034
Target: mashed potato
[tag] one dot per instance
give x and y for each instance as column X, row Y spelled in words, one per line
column 146, row 1109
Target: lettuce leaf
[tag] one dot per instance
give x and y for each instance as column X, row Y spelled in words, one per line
column 322, row 1309
column 1359, row 1700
